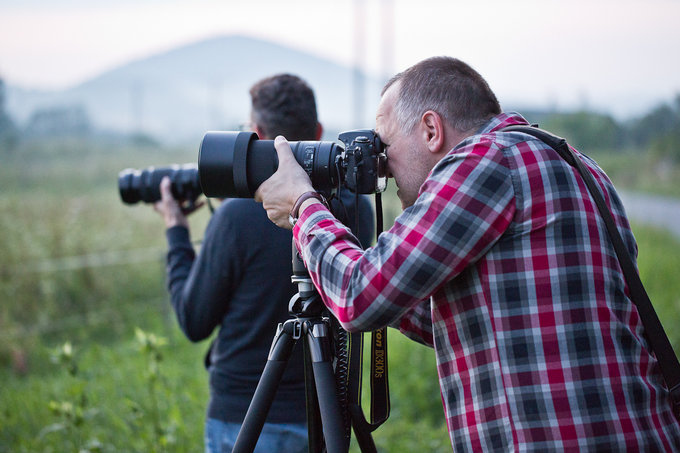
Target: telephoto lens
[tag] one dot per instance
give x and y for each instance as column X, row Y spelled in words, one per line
column 143, row 185
column 234, row 164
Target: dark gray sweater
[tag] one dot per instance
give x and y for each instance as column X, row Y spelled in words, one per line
column 240, row 281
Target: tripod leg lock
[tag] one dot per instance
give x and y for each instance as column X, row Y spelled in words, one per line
column 319, row 341
column 288, row 332
column 297, row 330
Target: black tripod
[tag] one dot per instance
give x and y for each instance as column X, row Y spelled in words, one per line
column 324, row 412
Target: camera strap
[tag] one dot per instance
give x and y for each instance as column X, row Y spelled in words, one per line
column 668, row 361
column 380, row 393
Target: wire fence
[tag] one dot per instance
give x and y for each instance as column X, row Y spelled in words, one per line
column 79, row 262
column 93, row 260
column 75, row 321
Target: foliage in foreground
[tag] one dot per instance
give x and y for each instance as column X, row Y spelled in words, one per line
column 140, row 394
column 148, row 394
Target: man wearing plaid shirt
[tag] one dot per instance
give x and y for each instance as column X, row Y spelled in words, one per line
column 501, row 262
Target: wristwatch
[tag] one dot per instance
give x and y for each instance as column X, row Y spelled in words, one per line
column 295, row 214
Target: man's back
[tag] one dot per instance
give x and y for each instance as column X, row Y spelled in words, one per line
column 554, row 351
column 241, row 282
column 249, row 265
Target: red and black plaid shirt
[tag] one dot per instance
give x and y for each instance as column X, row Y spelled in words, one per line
column 504, row 265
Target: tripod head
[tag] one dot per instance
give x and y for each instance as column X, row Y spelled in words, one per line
column 307, row 302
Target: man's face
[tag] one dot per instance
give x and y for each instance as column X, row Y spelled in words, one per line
column 406, row 162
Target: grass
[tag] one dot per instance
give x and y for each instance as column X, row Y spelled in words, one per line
column 91, row 358
column 110, row 402
column 659, row 264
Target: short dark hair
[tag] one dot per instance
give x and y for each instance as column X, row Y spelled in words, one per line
column 284, row 104
column 447, row 86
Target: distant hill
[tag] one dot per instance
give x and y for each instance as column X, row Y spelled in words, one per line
column 177, row 95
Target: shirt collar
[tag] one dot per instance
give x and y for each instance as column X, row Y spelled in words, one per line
column 500, row 121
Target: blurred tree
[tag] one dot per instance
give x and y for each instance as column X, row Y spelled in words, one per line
column 666, row 146
column 59, row 122
column 144, row 140
column 586, row 130
column 659, row 122
column 9, row 134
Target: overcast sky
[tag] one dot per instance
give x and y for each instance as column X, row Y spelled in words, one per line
column 619, row 56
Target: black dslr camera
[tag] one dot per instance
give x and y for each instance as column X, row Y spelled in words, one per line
column 234, row 164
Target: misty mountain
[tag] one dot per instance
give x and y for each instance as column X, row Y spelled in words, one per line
column 178, row 95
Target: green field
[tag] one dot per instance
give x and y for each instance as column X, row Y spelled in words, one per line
column 91, row 358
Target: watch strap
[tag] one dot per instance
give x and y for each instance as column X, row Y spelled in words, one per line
column 295, row 212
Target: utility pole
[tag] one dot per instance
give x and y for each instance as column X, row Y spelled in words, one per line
column 358, row 88
column 387, row 39
column 137, row 108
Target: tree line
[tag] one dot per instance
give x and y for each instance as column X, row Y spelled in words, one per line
column 657, row 131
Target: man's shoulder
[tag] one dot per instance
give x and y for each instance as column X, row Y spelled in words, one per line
column 483, row 145
column 239, row 211
column 506, row 143
column 345, row 198
column 347, row 195
column 492, row 135
column 236, row 205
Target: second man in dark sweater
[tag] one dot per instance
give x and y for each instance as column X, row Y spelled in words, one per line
column 240, row 283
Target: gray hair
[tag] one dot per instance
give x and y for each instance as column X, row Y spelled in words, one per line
column 447, row 86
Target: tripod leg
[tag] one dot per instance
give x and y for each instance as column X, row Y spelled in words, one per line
column 314, row 432
column 331, row 415
column 282, row 346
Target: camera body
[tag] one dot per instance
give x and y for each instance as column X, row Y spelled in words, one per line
column 234, row 164
column 363, row 162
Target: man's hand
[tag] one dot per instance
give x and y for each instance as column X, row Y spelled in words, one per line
column 173, row 213
column 279, row 193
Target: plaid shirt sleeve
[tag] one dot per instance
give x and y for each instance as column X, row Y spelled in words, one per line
column 416, row 324
column 464, row 206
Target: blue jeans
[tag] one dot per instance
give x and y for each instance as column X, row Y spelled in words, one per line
column 220, row 437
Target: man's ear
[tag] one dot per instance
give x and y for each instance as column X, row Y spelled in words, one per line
column 433, row 131
column 319, row 132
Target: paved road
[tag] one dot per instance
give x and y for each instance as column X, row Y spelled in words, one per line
column 658, row 211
